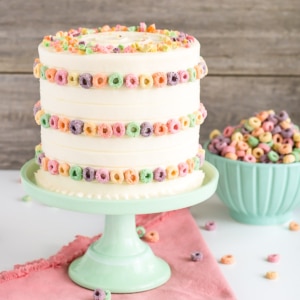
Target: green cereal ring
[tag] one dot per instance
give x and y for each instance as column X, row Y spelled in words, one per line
column 297, row 155
column 115, row 80
column 140, row 230
column 192, row 118
column 248, row 126
column 273, row 156
column 193, row 74
column 146, row 176
column 196, row 162
column 253, row 141
column 45, row 120
column 133, row 129
column 43, row 70
column 76, row 173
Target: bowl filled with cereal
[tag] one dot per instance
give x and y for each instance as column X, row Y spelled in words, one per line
column 259, row 167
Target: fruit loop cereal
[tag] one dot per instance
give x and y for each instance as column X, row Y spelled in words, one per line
column 266, row 137
column 227, row 259
column 271, row 275
column 273, row 258
column 294, row 226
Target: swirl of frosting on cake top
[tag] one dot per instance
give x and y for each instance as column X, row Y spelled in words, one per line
column 117, row 39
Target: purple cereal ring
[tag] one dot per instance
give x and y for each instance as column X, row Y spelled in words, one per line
column 159, row 174
column 287, row 133
column 212, row 149
column 88, row 174
column 282, row 116
column 102, row 175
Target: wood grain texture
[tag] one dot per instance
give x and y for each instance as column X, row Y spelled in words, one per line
column 227, row 99
column 237, row 37
column 252, row 49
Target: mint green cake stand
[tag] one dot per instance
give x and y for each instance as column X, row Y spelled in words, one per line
column 119, row 261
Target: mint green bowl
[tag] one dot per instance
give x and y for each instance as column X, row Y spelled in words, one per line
column 257, row 193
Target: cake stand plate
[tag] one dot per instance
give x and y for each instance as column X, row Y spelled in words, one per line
column 119, row 261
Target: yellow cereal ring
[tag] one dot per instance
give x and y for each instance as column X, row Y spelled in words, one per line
column 285, row 124
column 146, row 81
column 214, row 134
column 289, row 158
column 63, row 169
column 172, row 172
column 116, row 176
column 265, row 137
column 237, row 136
column 185, row 122
column 296, row 137
column 90, row 129
column 191, row 164
column 37, row 70
column 257, row 152
column 199, row 117
column 38, row 116
column 254, row 122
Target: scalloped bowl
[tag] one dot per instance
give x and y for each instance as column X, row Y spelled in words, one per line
column 257, row 193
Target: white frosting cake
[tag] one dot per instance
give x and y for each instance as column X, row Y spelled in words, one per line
column 120, row 112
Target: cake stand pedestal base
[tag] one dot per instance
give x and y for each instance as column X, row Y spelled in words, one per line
column 119, row 261
column 119, row 256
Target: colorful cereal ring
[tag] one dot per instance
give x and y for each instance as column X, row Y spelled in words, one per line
column 146, row 81
column 172, row 172
column 159, row 79
column 99, row 80
column 131, row 81
column 131, row 176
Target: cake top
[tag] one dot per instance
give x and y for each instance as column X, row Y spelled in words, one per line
column 117, row 39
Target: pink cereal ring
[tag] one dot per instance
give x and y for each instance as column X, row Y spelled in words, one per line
column 249, row 158
column 53, row 167
column 183, row 169
column 228, row 131
column 131, row 81
column 173, row 126
column 118, row 129
column 265, row 147
column 183, row 76
column 228, row 149
column 53, row 122
column 273, row 258
column 268, row 126
column 210, row 225
column 105, row 130
column 240, row 153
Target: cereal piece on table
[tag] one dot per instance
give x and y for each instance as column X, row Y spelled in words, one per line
column 294, row 226
column 196, row 256
column 271, row 275
column 227, row 259
column 100, row 294
column 273, row 258
column 210, row 225
column 140, row 231
column 151, row 236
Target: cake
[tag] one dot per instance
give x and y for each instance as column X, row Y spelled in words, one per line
column 119, row 112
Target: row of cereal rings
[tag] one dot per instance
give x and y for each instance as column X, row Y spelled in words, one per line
column 118, row 129
column 129, row 176
column 117, row 80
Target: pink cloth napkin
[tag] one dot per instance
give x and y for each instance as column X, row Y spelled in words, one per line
column 179, row 234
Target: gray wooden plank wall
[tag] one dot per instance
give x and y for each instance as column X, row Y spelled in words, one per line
column 252, row 49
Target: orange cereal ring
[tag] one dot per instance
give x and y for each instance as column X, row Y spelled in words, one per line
column 231, row 155
column 50, row 74
column 257, row 131
column 116, row 176
column 297, row 145
column 198, row 71
column 99, row 80
column 227, row 259
column 241, row 145
column 271, row 275
column 63, row 169
column 185, row 122
column 45, row 161
column 151, row 236
column 191, row 165
column 160, row 129
column 63, row 124
column 262, row 115
column 294, row 226
column 277, row 138
column 131, row 176
column 37, row 70
column 172, row 172
column 285, row 149
column 159, row 79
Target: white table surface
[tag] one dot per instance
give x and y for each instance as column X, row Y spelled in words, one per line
column 29, row 230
